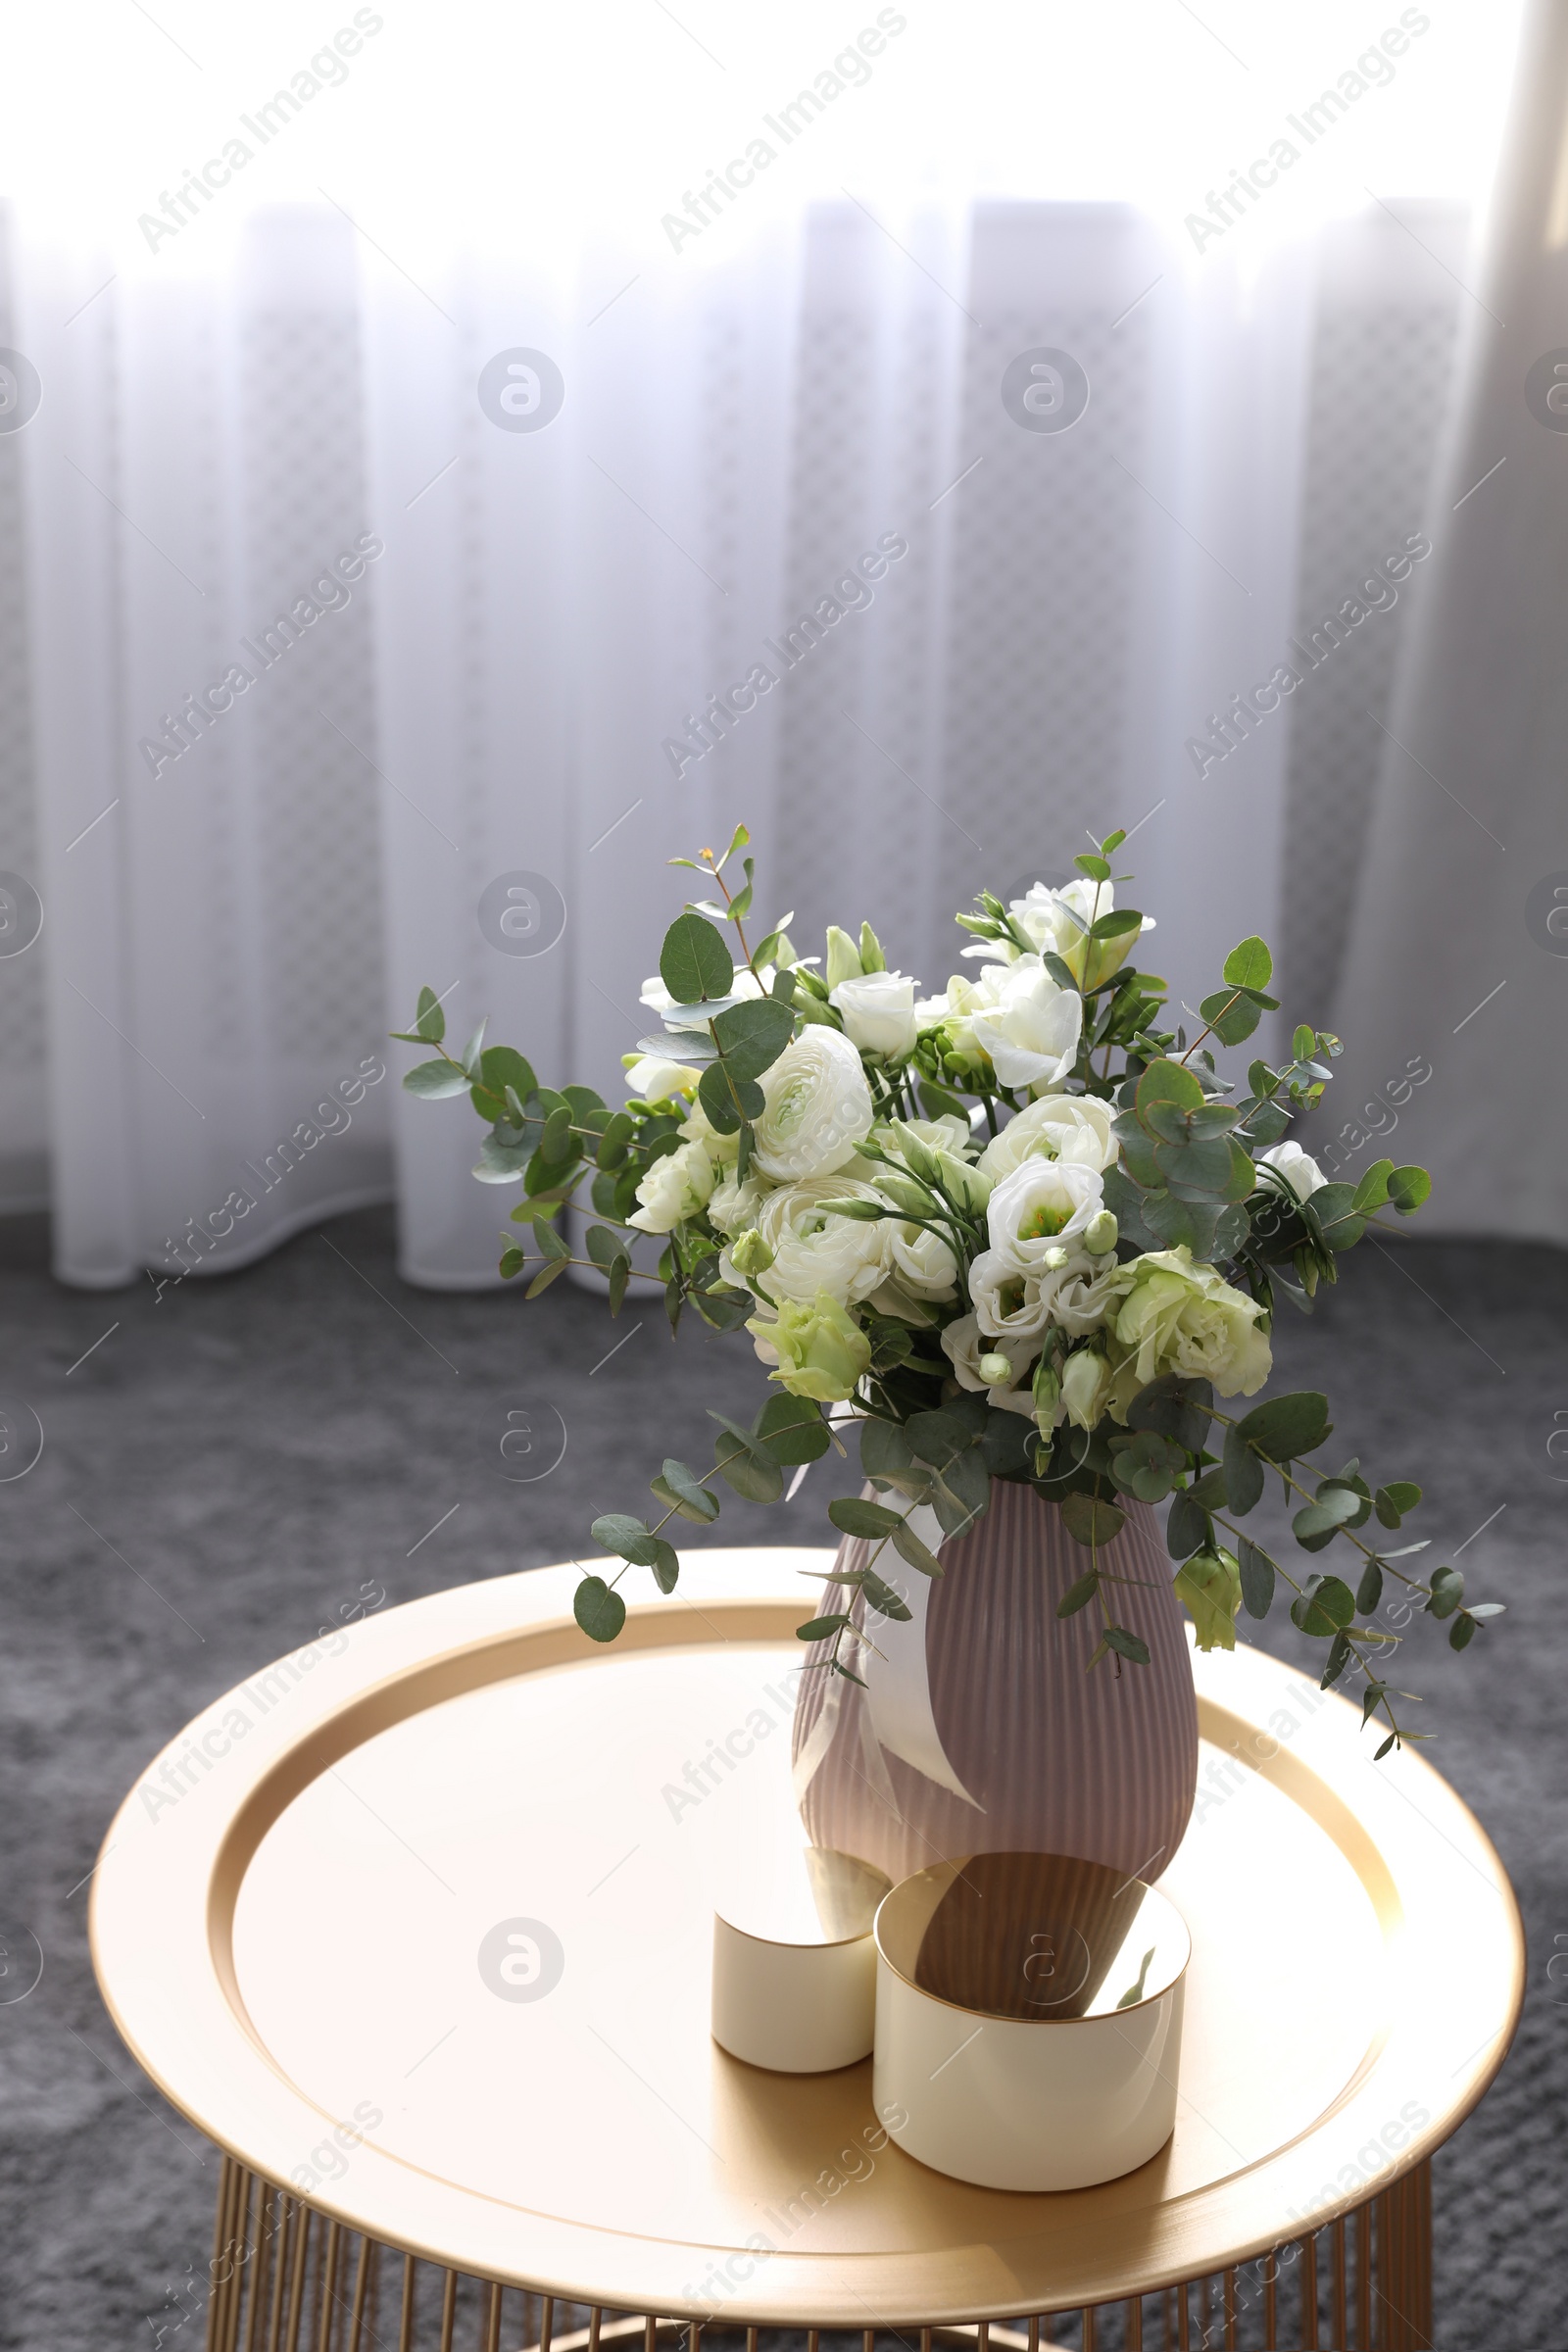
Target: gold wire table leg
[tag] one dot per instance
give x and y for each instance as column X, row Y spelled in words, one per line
column 1340, row 2323
column 267, row 2218
column 234, row 2261
column 1184, row 2320
column 370, row 2257
column 449, row 2305
column 296, row 2285
column 867, row 2339
column 406, row 2324
column 492, row 2323
column 1034, row 2335
column 327, row 2287
column 1271, row 2302
column 596, row 2316
column 1135, row 2324
column 1091, row 2331
column 547, row 2323
column 1310, row 2340
column 287, row 2210
column 222, row 2220
column 1230, row 2311
column 1363, row 2279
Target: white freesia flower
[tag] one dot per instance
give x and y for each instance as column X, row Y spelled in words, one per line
column 814, row 1252
column 818, row 1106
column 878, row 1013
column 1043, row 1204
column 1176, row 1316
column 655, row 1079
column 931, row 1011
column 1299, row 1168
column 674, row 1187
column 744, row 983
column 965, row 1345
column 1059, row 921
column 1028, row 1025
column 1071, row 1127
column 733, row 1206
column 698, row 1128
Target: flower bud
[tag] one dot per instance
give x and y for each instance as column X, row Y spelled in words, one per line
column 997, row 1370
column 1048, row 1395
column 749, row 1254
column 1055, row 1259
column 872, row 958
column 843, row 957
column 1099, row 1234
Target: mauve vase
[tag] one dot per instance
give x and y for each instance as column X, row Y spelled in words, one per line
column 1100, row 1764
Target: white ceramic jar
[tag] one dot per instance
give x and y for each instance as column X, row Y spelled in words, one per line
column 1029, row 2019
column 793, row 1963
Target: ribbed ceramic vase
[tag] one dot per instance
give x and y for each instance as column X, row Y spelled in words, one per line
column 1103, row 1765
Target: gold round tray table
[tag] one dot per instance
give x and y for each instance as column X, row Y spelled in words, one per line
column 417, row 1926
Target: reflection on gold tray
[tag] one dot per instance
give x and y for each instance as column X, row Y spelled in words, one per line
column 300, row 1944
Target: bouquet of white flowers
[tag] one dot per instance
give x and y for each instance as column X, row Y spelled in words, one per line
column 1016, row 1231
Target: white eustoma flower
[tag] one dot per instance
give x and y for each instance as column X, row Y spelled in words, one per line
column 1028, row 1025
column 674, row 1187
column 1299, row 1168
column 878, row 1013
column 818, row 1106
column 814, row 1252
column 965, row 1345
column 1079, row 1296
column 1176, row 1316
column 1007, row 1303
column 1045, row 1205
column 1072, row 1127
column 921, row 1262
column 949, row 1133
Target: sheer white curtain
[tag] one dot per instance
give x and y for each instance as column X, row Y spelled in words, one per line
column 494, row 636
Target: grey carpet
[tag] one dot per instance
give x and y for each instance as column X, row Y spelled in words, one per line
column 231, row 1466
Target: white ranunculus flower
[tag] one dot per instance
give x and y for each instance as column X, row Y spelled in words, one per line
column 1299, row 1168
column 878, row 1013
column 1071, row 1127
column 818, row 1106
column 1028, row 1025
column 921, row 1262
column 674, row 1187
column 733, row 1206
column 655, row 1079
column 814, row 1252
column 1043, row 1204
column 965, row 1345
